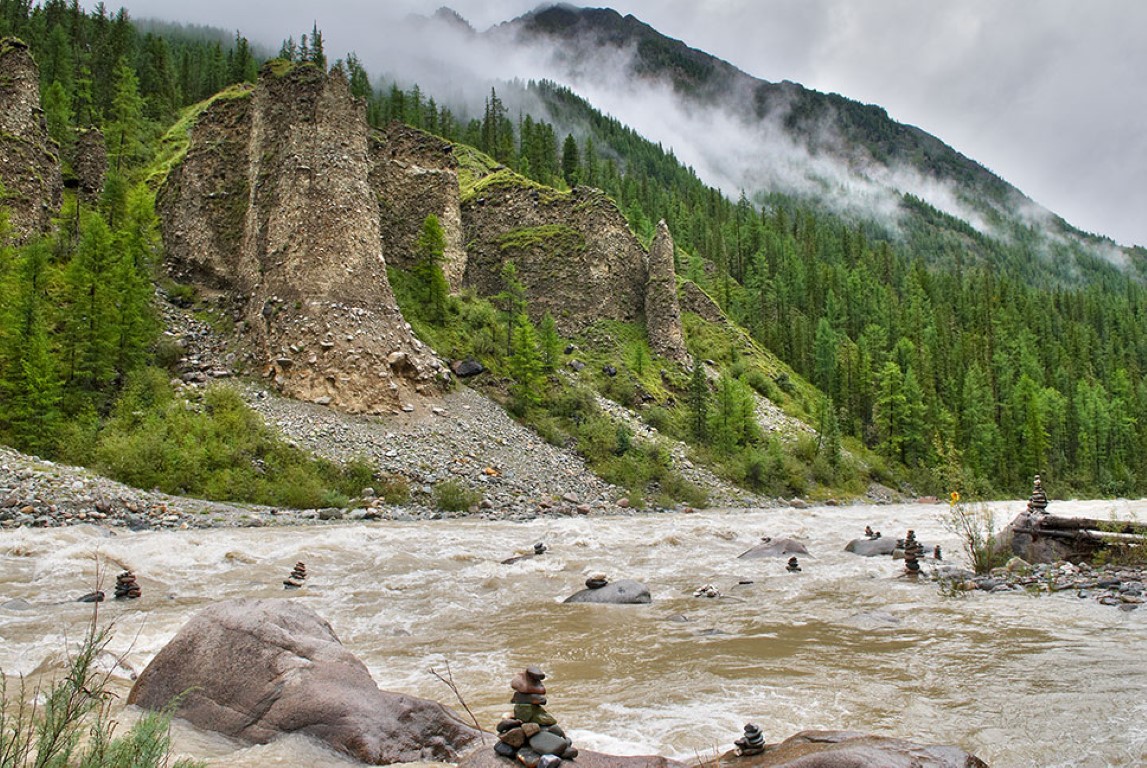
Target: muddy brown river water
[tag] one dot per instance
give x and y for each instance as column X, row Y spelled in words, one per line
column 1019, row 680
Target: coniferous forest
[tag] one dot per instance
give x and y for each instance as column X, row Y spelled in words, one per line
column 954, row 359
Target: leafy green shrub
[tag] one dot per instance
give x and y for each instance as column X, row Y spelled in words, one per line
column 453, row 496
column 218, row 449
column 660, row 419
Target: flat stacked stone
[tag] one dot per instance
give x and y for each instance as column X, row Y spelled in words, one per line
column 126, row 587
column 912, row 552
column 752, row 743
column 1038, row 501
column 596, row 581
column 297, row 577
column 531, row 735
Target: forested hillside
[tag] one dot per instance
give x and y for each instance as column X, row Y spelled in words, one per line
column 944, row 351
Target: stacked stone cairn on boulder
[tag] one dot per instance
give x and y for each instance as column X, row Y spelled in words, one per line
column 912, row 552
column 126, row 587
column 1037, row 504
column 531, row 734
column 596, row 581
column 752, row 743
column 297, row 577
column 793, row 566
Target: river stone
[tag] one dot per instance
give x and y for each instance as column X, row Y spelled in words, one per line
column 774, row 548
column 257, row 669
column 546, row 743
column 849, row 749
column 624, row 592
column 485, row 758
column 871, row 547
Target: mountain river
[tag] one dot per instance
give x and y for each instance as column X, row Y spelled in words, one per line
column 1018, row 679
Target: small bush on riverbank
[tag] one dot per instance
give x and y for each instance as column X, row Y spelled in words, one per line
column 976, row 527
column 69, row 725
column 453, row 496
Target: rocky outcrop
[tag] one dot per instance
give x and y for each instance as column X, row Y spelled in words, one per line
column 575, row 256
column 90, row 162
column 695, row 300
column 848, row 749
column 574, row 251
column 258, row 669
column 415, row 174
column 273, row 203
column 29, row 158
column 662, row 313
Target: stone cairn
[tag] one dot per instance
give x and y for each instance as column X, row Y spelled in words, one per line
column 1038, row 502
column 297, row 577
column 126, row 587
column 708, row 590
column 871, row 534
column 912, row 552
column 531, row 734
column 752, row 743
column 937, row 554
column 793, row 566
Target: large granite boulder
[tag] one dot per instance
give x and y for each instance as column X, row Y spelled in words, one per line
column 774, row 548
column 258, row 669
column 871, row 547
column 849, row 749
column 623, row 592
column 484, row 757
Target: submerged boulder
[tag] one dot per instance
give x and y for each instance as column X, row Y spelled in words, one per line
column 624, row 592
column 257, row 669
column 849, row 749
column 871, row 547
column 774, row 548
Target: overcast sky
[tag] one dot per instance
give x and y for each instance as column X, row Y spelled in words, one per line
column 1049, row 94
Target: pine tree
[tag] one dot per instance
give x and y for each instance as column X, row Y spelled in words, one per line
column 29, row 380
column 550, row 343
column 570, row 161
column 525, row 365
column 698, row 402
column 429, row 251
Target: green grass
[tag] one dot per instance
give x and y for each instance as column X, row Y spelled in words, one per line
column 175, row 142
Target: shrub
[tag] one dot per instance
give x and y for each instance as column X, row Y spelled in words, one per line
column 453, row 496
column 69, row 724
column 975, row 525
column 393, row 489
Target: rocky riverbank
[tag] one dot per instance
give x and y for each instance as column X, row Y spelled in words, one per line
column 1122, row 586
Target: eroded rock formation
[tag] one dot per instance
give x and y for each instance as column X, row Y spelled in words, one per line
column 29, row 158
column 90, row 162
column 575, row 256
column 273, row 203
column 416, row 174
column 662, row 312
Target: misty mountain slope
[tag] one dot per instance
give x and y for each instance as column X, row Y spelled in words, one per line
column 743, row 133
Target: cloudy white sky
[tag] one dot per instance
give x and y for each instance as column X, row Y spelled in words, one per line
column 1049, row 94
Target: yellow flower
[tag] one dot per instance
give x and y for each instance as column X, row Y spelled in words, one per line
column 955, row 498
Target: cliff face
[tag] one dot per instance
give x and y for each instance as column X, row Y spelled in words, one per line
column 576, row 257
column 574, row 252
column 273, row 203
column 415, row 174
column 29, row 158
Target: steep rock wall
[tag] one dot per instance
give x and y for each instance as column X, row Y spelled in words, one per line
column 300, row 252
column 29, row 158
column 574, row 252
column 662, row 312
column 415, row 174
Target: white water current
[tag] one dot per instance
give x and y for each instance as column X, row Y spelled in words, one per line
column 1017, row 679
